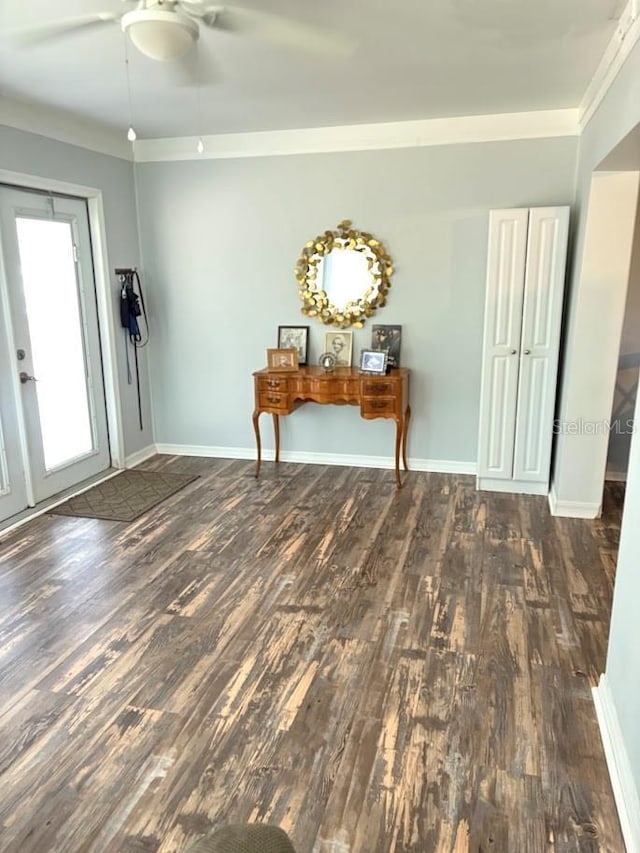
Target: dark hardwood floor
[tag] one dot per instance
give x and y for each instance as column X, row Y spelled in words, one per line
column 374, row 670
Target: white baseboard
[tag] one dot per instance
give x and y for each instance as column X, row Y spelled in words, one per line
column 442, row 466
column 616, row 476
column 140, row 456
column 210, row 451
column 439, row 466
column 572, row 509
column 512, row 487
column 626, row 794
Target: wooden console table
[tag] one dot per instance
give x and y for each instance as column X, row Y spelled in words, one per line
column 279, row 393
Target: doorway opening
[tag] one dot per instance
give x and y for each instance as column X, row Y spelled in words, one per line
column 628, row 373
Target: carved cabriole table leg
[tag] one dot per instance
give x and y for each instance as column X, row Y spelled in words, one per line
column 276, row 432
column 256, row 429
column 399, row 434
column 405, row 433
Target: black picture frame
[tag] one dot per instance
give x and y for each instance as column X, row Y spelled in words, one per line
column 373, row 361
column 296, row 337
column 385, row 337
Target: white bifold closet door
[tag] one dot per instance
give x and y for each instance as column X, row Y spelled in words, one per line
column 525, row 289
column 503, row 326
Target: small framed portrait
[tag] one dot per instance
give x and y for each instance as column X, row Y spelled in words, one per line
column 387, row 338
column 296, row 337
column 373, row 361
column 340, row 344
column 282, row 359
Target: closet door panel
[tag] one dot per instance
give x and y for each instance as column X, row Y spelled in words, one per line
column 542, row 314
column 502, row 334
column 530, row 447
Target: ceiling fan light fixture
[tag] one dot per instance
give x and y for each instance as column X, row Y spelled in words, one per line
column 160, row 35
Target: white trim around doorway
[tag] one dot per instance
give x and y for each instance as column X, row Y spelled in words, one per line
column 102, row 271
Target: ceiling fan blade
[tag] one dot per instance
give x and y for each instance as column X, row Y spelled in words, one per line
column 40, row 33
column 197, row 68
column 277, row 30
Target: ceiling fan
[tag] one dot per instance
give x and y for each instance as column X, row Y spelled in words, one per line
column 168, row 29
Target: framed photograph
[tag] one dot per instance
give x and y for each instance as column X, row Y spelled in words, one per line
column 282, row 359
column 373, row 361
column 387, row 338
column 340, row 344
column 296, row 337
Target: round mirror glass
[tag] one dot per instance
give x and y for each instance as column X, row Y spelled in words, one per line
column 344, row 276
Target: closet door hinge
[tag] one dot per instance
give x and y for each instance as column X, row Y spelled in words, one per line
column 75, row 253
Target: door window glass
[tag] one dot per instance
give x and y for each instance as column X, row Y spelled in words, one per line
column 57, row 349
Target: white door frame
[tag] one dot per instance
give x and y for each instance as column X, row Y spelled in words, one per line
column 102, row 270
column 600, row 282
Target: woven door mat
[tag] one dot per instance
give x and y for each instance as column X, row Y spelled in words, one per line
column 126, row 496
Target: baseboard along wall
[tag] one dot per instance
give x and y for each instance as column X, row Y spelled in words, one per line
column 436, row 466
column 626, row 794
column 572, row 509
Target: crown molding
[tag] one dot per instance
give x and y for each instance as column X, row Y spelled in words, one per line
column 64, row 127
column 622, row 42
column 363, row 137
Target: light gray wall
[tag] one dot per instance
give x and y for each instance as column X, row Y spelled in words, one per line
column 618, row 114
column 39, row 156
column 220, row 240
column 623, row 667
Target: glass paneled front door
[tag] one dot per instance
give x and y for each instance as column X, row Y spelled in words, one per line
column 53, row 416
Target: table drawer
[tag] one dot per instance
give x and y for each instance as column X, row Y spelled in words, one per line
column 273, row 400
column 378, row 387
column 273, row 383
column 334, row 389
column 378, row 406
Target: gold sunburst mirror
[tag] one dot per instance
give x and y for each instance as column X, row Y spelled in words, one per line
column 344, row 276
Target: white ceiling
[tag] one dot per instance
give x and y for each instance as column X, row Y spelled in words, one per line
column 412, row 59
